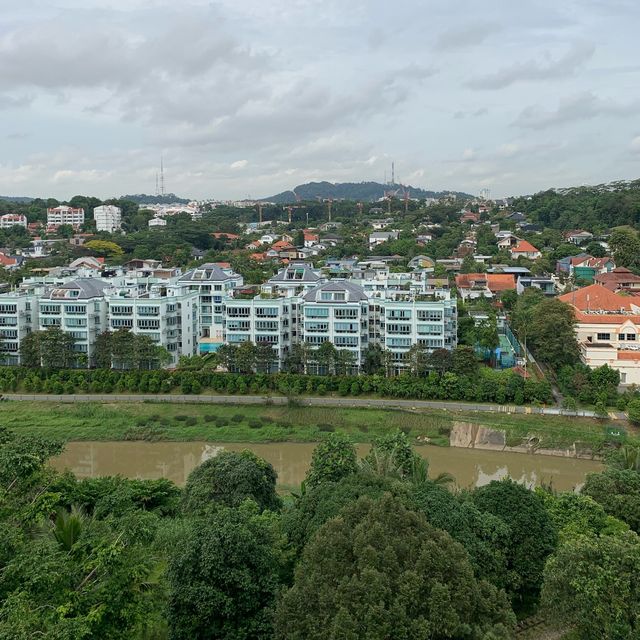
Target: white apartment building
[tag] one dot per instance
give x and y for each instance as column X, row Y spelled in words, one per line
column 63, row 214
column 166, row 313
column 79, row 309
column 108, row 218
column 212, row 284
column 262, row 321
column 157, row 222
column 199, row 311
column 379, row 237
column 13, row 220
column 18, row 314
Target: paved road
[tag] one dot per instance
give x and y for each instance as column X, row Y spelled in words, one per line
column 386, row 403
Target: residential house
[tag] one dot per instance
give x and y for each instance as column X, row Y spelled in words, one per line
column 380, row 237
column 544, row 284
column 583, row 267
column 619, row 280
column 470, row 216
column 607, row 328
column 524, row 249
column 157, row 223
column 310, row 239
column 422, row 262
column 378, row 225
column 472, row 286
column 578, row 236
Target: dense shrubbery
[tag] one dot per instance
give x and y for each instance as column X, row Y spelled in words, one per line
column 369, row 548
column 485, row 386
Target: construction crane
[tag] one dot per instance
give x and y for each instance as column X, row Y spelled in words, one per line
column 290, row 210
column 405, row 194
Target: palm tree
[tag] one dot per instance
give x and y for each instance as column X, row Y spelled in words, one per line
column 67, row 526
column 629, row 457
column 420, row 474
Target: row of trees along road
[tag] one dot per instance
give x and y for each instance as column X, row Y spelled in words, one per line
column 372, row 548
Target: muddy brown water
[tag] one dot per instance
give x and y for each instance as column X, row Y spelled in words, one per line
column 176, row 460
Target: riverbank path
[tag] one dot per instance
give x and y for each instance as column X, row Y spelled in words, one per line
column 325, row 401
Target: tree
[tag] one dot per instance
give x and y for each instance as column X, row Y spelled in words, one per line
column 417, row 359
column 633, row 411
column 440, row 360
column 380, row 571
column 484, row 536
column 464, row 361
column 325, row 357
column 591, row 584
column 333, row 459
column 345, row 362
column 551, row 333
column 532, row 535
column 224, row 576
column 391, row 454
column 625, row 246
column 373, row 360
column 229, row 479
column 618, row 491
column 104, row 248
column 574, row 515
column 298, row 358
column 51, row 349
column 320, row 503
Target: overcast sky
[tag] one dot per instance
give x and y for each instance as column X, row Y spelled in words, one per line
column 251, row 97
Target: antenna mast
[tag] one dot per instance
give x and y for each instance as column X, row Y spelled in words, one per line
column 161, row 176
column 393, row 172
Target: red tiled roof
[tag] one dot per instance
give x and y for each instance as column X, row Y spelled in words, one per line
column 523, row 247
column 495, row 281
column 7, row 261
column 595, row 297
column 628, row 355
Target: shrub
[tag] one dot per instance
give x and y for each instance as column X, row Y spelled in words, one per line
column 220, row 422
column 326, row 428
column 255, row 424
column 209, row 418
column 181, row 418
column 191, row 421
column 237, row 418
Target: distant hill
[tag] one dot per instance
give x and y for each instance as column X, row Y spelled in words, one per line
column 363, row 191
column 167, row 198
column 20, row 199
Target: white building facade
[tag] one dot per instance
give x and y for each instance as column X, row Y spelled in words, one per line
column 63, row 214
column 108, row 218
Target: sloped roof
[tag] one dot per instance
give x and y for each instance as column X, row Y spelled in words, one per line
column 207, row 272
column 494, row 281
column 523, row 247
column 302, row 271
column 353, row 292
column 87, row 288
column 595, row 297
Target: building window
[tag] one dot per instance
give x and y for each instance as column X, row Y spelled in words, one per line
column 631, row 336
column 604, row 336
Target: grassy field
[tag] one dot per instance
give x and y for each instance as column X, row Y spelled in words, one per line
column 253, row 423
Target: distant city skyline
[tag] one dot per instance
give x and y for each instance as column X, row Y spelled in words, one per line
column 245, row 98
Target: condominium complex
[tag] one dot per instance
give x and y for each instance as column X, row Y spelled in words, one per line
column 63, row 214
column 108, row 218
column 201, row 310
column 13, row 220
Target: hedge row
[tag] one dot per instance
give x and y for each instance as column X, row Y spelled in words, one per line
column 485, row 386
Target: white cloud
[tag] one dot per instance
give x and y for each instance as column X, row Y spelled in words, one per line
column 239, row 164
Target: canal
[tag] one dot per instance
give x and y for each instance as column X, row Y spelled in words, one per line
column 176, row 460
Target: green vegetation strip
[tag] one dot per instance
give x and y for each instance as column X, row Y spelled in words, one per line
column 265, row 423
